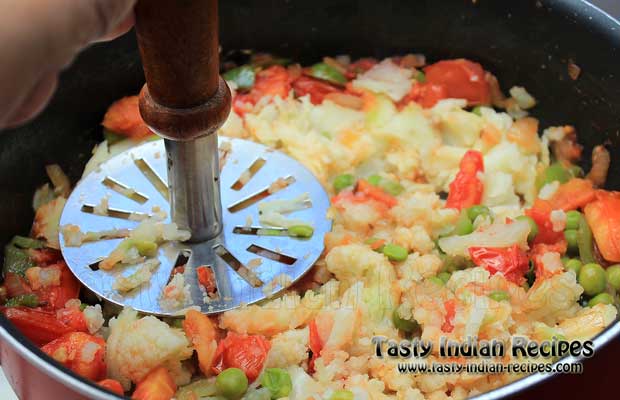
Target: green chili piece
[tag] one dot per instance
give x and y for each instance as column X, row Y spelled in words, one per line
column 243, row 76
column 302, row 231
column 327, row 73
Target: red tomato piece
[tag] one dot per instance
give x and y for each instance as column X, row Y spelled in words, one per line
column 80, row 352
column 426, row 94
column 274, row 81
column 74, row 318
column 315, row 343
column 202, row 333
column 55, row 297
column 511, row 261
column 574, row 194
column 463, row 79
column 360, row 66
column 123, row 117
column 112, row 385
column 376, row 193
column 448, row 323
column 206, row 278
column 541, row 214
column 603, row 217
column 36, row 324
column 15, row 285
column 44, row 257
column 157, row 385
column 466, row 189
column 316, row 88
column 246, row 352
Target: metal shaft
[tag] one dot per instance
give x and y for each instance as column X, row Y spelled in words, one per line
column 193, row 177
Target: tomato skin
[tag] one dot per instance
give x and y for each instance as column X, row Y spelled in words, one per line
column 466, row 189
column 462, row 79
column 246, row 352
column 539, row 250
column 448, row 322
column 112, row 385
column 511, row 261
column 603, row 217
column 202, row 334
column 426, row 94
column 541, row 214
column 315, row 343
column 316, row 88
column 36, row 324
column 69, row 350
column 157, row 385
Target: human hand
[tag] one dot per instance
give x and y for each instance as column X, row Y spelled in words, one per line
column 39, row 38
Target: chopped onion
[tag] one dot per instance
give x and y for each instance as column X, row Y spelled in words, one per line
column 496, row 235
column 388, row 78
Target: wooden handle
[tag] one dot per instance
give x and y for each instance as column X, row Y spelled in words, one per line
column 184, row 97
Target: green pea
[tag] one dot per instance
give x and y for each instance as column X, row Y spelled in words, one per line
column 571, row 239
column 342, row 395
column 402, row 324
column 391, row 187
column 374, row 180
column 499, row 295
column 278, row 381
column 328, row 73
column 444, row 276
column 302, row 231
column 477, row 110
column 592, row 278
column 572, row 219
column 436, row 280
column 463, row 225
column 613, row 276
column 601, row 298
column 243, row 76
column 474, row 212
column 533, row 226
column 574, row 265
column 231, row 383
column 420, row 77
column 554, row 172
column 395, row 252
column 343, row 181
column 370, row 242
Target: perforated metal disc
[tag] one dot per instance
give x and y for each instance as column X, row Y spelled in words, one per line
column 269, row 258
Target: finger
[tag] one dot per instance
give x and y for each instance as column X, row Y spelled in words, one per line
column 35, row 101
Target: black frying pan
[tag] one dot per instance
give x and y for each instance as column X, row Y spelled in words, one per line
column 524, row 42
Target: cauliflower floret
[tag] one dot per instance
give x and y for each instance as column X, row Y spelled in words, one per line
column 413, row 239
column 553, row 299
column 94, row 318
column 273, row 317
column 47, row 221
column 136, row 346
column 355, row 262
column 288, row 348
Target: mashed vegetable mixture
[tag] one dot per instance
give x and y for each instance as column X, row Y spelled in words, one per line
column 455, row 215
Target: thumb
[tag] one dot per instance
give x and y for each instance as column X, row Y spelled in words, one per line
column 40, row 38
